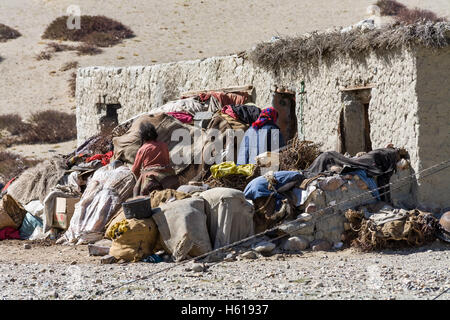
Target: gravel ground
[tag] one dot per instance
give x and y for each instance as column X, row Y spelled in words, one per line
column 420, row 273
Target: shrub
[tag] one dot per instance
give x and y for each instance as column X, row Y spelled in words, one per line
column 95, row 30
column 7, row 33
column 73, row 84
column 416, row 15
column 43, row 127
column 390, row 7
column 69, row 65
column 50, row 126
column 87, row 49
column 11, row 165
column 13, row 123
column 44, row 55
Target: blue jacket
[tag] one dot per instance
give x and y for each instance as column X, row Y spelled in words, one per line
column 255, row 142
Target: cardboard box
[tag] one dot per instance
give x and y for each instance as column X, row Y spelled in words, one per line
column 65, row 208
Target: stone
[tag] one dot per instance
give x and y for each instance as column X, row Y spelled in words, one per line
column 264, row 247
column 100, row 248
column 297, row 228
column 197, row 267
column 320, row 245
column 27, row 246
column 107, row 259
column 249, row 255
column 296, row 244
column 230, row 257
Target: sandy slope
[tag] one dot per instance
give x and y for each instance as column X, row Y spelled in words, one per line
column 168, row 30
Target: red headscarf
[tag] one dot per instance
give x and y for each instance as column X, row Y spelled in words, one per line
column 269, row 114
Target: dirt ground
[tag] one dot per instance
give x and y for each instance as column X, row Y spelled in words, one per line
column 67, row 272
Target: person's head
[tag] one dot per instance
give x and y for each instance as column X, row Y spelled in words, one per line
column 267, row 115
column 148, row 132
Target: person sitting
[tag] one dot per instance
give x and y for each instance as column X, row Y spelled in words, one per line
column 151, row 166
column 264, row 135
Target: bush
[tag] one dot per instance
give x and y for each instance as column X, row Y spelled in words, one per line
column 50, row 126
column 390, row 7
column 7, row 33
column 12, row 165
column 43, row 127
column 95, row 30
column 69, row 65
column 87, row 49
column 408, row 16
column 73, row 84
column 44, row 55
column 13, row 123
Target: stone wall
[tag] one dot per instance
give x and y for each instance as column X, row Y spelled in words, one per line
column 393, row 108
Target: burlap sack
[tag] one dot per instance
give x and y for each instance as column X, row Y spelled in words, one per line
column 136, row 242
column 183, row 229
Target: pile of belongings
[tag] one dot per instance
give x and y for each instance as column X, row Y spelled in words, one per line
column 78, row 198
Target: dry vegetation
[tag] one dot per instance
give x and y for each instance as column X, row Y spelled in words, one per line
column 404, row 15
column 298, row 155
column 307, row 50
column 417, row 15
column 390, row 7
column 43, row 127
column 69, row 65
column 98, row 31
column 8, row 33
column 72, row 84
column 12, row 165
column 82, row 50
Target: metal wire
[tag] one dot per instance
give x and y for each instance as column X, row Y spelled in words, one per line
column 397, row 185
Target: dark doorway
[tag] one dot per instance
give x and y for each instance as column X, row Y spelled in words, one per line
column 354, row 124
column 284, row 102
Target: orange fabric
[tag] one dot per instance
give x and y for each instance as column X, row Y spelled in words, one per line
column 151, row 154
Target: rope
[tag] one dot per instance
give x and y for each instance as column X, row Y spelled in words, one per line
column 440, row 294
column 445, row 163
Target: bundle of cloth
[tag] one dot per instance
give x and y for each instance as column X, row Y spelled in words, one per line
column 127, row 145
column 380, row 164
column 106, row 190
column 35, row 183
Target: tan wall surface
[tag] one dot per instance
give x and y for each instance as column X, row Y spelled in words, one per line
column 433, row 68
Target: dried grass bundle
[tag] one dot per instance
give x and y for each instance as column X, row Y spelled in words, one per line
column 298, row 155
column 235, row 181
column 307, row 50
column 417, row 229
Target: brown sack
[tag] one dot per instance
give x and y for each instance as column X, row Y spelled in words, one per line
column 5, row 219
column 137, row 242
column 14, row 209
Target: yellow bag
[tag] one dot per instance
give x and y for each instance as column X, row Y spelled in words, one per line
column 133, row 239
column 229, row 167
